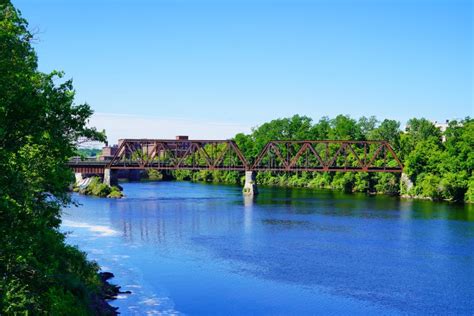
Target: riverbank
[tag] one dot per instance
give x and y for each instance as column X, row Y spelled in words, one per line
column 369, row 183
column 95, row 187
column 100, row 302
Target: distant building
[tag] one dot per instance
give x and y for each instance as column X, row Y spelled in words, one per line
column 108, row 152
column 442, row 127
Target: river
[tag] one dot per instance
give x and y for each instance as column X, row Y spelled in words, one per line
column 202, row 249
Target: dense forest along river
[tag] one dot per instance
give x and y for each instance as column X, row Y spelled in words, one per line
column 201, row 249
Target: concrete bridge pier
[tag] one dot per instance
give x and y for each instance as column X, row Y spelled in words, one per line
column 79, row 176
column 110, row 177
column 250, row 186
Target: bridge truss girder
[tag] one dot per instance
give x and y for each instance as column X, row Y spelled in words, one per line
column 285, row 156
column 328, row 155
column 178, row 155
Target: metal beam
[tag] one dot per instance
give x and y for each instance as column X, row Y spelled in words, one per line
column 278, row 155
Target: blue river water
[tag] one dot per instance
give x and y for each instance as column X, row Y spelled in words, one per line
column 201, row 249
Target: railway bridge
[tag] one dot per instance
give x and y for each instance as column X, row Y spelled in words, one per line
column 225, row 155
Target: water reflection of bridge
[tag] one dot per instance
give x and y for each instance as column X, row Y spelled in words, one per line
column 159, row 221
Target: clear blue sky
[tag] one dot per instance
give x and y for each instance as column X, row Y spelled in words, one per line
column 246, row 62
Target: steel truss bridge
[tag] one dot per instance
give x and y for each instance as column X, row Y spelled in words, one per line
column 225, row 155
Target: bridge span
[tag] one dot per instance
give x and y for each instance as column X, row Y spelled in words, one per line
column 225, row 155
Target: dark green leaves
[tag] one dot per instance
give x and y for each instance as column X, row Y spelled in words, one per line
column 39, row 128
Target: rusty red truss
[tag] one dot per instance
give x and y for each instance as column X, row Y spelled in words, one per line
column 165, row 154
column 328, row 155
column 284, row 156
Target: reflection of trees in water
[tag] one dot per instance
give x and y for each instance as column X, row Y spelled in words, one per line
column 158, row 221
column 336, row 203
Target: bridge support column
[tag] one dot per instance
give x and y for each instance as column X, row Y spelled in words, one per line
column 78, row 176
column 110, row 177
column 250, row 186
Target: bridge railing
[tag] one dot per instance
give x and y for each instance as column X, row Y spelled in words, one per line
column 85, row 160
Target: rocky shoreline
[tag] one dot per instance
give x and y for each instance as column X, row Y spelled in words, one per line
column 100, row 301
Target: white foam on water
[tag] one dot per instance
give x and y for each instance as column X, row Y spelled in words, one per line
column 152, row 301
column 101, row 231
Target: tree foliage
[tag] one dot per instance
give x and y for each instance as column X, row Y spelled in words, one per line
column 440, row 164
column 39, row 129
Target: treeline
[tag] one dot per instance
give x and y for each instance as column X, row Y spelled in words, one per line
column 438, row 164
column 88, row 152
column 39, row 127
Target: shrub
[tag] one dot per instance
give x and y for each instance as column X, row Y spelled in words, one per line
column 154, row 175
column 469, row 196
column 115, row 193
column 430, row 186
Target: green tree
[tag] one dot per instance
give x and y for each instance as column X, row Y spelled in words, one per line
column 388, row 130
column 39, row 129
column 459, row 145
column 345, row 128
column 439, row 169
column 321, row 130
column 418, row 130
column 367, row 125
